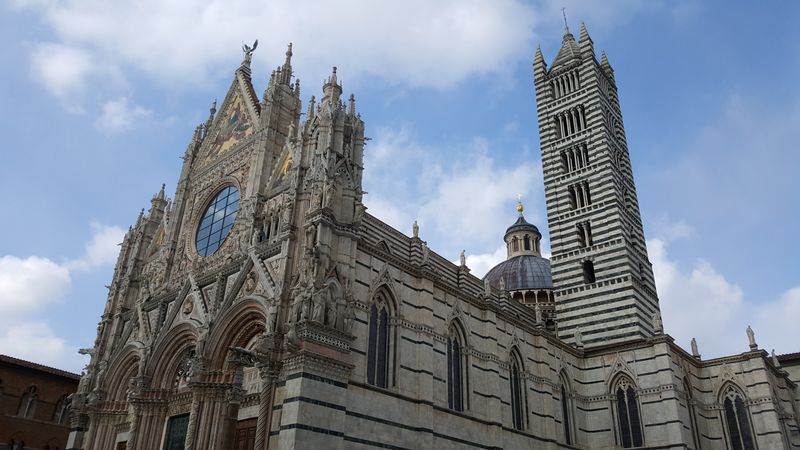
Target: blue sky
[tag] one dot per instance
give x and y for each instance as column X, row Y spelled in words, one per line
column 99, row 100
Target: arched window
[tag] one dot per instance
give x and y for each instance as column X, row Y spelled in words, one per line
column 378, row 352
column 737, row 420
column 456, row 368
column 566, row 410
column 60, row 412
column 690, row 408
column 628, row 419
column 518, row 395
column 527, row 242
column 515, row 244
column 27, row 403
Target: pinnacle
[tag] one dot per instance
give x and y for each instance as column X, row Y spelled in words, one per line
column 584, row 36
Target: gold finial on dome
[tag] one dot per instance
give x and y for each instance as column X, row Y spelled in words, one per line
column 520, row 208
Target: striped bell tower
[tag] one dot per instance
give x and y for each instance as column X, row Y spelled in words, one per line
column 603, row 279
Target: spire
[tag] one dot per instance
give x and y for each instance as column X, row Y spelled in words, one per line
column 332, row 89
column 352, row 107
column 586, row 44
column 584, row 36
column 311, row 104
column 604, row 64
column 211, row 112
column 161, row 195
column 566, row 26
column 569, row 48
column 538, row 60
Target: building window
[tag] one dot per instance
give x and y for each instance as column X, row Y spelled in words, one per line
column 517, row 384
column 27, row 403
column 527, row 242
column 588, row 272
column 176, row 432
column 737, row 421
column 584, row 231
column 579, row 196
column 378, row 351
column 217, row 221
column 574, row 158
column 456, row 368
column 570, row 121
column 566, row 410
column 60, row 412
column 628, row 420
column 687, row 388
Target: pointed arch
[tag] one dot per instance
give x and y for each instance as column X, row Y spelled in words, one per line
column 381, row 341
column 690, row 409
column 519, row 395
column 235, row 328
column 736, row 417
column 626, row 406
column 121, row 369
column 28, row 402
column 457, row 366
column 169, row 354
column 60, row 411
column 566, row 407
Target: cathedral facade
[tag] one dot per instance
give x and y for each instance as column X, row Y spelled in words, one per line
column 263, row 308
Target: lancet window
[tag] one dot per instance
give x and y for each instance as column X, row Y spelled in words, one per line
column 518, row 396
column 629, row 423
column 457, row 375
column 737, row 420
column 28, row 401
column 378, row 354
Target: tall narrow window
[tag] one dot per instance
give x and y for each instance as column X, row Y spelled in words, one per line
column 737, row 421
column 565, row 411
column 60, row 412
column 629, row 422
column 378, row 351
column 27, row 403
column 517, row 392
column 456, row 369
column 527, row 242
column 588, row 272
column 690, row 409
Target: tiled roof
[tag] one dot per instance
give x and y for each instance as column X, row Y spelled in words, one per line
column 32, row 365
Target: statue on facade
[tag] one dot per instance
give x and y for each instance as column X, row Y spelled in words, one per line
column 462, row 258
column 695, row 350
column 578, row 338
column 415, row 229
column 319, row 300
column 272, row 315
column 538, row 311
column 426, row 253
column 658, row 326
column 751, row 336
column 248, row 52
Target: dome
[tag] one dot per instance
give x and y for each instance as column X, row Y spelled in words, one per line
column 523, row 225
column 523, row 272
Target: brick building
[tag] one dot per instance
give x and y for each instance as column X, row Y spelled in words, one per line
column 33, row 405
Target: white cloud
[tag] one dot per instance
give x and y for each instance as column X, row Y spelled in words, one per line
column 63, row 70
column 463, row 202
column 36, row 342
column 481, row 263
column 417, row 43
column 702, row 303
column 101, row 250
column 29, row 285
column 120, row 115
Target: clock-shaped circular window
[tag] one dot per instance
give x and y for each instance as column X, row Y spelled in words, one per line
column 217, row 221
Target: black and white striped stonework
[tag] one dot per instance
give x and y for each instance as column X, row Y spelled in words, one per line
column 602, row 277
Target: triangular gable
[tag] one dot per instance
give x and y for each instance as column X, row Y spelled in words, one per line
column 236, row 120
